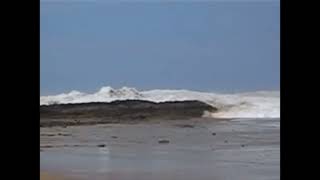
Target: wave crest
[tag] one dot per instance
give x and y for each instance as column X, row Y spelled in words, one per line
column 259, row 104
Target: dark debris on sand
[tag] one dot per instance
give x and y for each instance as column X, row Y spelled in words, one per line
column 185, row 125
column 163, row 141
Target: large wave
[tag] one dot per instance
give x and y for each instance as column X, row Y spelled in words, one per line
column 259, row 104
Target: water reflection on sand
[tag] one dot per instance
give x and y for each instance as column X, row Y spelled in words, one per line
column 205, row 149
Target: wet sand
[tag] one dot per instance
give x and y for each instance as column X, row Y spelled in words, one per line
column 202, row 148
column 48, row 176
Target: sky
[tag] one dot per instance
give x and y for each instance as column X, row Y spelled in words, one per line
column 207, row 46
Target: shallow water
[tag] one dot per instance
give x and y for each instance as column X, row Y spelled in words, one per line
column 241, row 149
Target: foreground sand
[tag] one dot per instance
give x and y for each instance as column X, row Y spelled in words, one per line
column 203, row 149
column 47, row 176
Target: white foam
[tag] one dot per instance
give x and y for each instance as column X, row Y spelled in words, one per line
column 260, row 104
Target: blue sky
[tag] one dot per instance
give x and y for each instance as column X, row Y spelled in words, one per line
column 208, row 46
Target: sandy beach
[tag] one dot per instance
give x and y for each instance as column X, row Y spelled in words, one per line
column 48, row 176
column 200, row 148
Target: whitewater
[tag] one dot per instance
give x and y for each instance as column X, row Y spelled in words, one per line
column 259, row 104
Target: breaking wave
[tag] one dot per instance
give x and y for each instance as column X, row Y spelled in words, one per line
column 259, row 104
